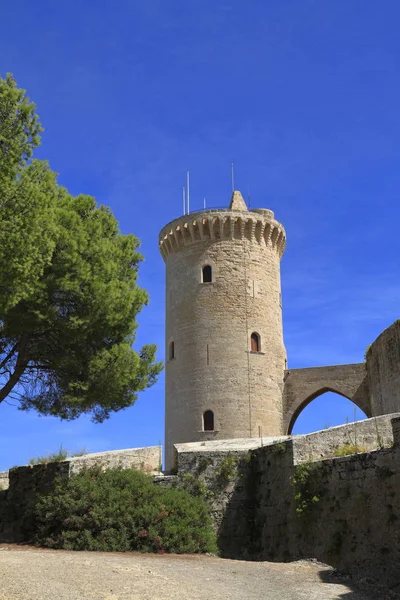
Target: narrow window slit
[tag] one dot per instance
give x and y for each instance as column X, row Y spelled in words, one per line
column 208, row 420
column 255, row 342
column 207, row 274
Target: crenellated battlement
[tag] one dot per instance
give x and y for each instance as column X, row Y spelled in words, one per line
column 258, row 226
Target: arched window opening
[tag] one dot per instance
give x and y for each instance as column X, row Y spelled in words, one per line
column 207, row 274
column 255, row 342
column 327, row 410
column 171, row 351
column 208, row 420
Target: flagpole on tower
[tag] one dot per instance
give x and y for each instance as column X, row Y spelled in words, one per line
column 188, row 191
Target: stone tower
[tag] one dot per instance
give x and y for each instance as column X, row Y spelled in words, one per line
column 225, row 356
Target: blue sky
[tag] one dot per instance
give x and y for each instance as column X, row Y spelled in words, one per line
column 302, row 96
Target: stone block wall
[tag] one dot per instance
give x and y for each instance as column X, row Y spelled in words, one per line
column 343, row 511
column 370, row 434
column 304, row 385
column 292, row 499
column 147, row 459
column 26, row 482
column 15, row 502
column 4, row 480
column 383, row 367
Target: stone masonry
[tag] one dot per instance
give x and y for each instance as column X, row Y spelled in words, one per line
column 210, row 324
column 303, row 385
column 147, row 460
column 295, row 498
column 212, row 364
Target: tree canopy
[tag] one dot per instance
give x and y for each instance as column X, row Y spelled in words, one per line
column 69, row 296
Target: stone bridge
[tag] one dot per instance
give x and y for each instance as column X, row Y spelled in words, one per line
column 304, row 385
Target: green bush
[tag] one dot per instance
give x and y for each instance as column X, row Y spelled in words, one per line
column 347, row 449
column 122, row 510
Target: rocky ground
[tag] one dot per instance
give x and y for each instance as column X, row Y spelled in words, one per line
column 28, row 573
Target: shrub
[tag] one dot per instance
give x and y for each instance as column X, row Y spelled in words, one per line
column 303, row 481
column 347, row 449
column 59, row 456
column 227, row 468
column 122, row 510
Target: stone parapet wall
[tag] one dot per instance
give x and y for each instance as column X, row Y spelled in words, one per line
column 370, row 434
column 281, row 502
column 342, row 511
column 213, row 225
column 28, row 481
column 4, row 480
column 147, row 459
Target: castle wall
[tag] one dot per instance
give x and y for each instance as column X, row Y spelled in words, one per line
column 342, row 511
column 4, row 481
column 304, row 385
column 383, row 366
column 281, row 502
column 25, row 482
column 211, row 324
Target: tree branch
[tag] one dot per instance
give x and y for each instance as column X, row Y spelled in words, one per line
column 20, row 366
column 9, row 355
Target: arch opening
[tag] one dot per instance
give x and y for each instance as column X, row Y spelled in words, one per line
column 323, row 409
column 208, row 420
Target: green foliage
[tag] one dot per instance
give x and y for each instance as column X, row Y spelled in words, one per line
column 303, row 483
column 122, row 510
column 69, row 297
column 279, row 448
column 19, row 127
column 59, row 456
column 347, row 449
column 227, row 468
column 196, row 487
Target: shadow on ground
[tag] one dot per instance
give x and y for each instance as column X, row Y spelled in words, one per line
column 363, row 590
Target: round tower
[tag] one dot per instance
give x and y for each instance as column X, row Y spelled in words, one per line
column 225, row 356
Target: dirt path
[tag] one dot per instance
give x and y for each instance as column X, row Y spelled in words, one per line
column 34, row 574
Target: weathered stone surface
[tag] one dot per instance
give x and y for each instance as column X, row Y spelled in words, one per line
column 146, row 459
column 371, row 434
column 228, row 445
column 210, row 324
column 383, row 367
column 352, row 525
column 4, row 480
column 304, row 385
column 349, row 506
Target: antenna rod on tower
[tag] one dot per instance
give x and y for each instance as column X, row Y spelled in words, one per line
column 204, row 202
column 233, row 178
column 184, row 200
column 188, row 191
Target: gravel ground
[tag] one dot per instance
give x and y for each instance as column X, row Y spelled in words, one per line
column 28, row 573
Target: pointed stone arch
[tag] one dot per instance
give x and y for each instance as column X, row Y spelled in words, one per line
column 304, row 385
